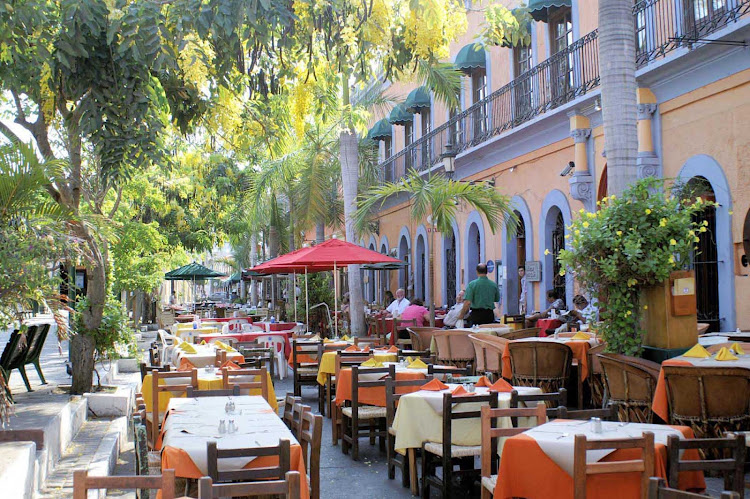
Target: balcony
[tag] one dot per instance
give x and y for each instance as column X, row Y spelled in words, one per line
column 661, row 26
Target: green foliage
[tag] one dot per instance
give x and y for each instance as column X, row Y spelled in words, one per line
column 631, row 243
column 320, row 289
column 506, row 27
column 113, row 338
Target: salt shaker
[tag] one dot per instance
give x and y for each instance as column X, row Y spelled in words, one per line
column 232, row 427
column 222, row 426
column 596, row 425
column 228, row 407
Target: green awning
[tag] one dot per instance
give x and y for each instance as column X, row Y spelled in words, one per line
column 418, row 99
column 380, row 131
column 191, row 271
column 471, row 57
column 384, row 266
column 400, row 116
column 540, row 9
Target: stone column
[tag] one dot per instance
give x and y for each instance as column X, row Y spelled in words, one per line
column 582, row 182
column 648, row 162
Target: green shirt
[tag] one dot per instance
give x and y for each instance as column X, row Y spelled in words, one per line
column 482, row 293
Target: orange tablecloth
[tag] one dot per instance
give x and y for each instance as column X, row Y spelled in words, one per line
column 660, row 405
column 544, row 479
column 579, row 348
column 373, row 395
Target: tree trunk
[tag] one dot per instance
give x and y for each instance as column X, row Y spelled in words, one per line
column 320, row 232
column 619, row 104
column 82, row 358
column 349, row 176
column 253, row 262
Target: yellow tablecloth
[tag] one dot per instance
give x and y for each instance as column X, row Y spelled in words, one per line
column 328, row 364
column 200, row 330
column 206, row 381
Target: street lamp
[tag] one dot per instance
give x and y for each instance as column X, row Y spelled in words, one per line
column 449, row 159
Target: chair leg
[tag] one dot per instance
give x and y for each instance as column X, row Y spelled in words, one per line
column 22, row 369
column 389, row 456
column 486, row 494
column 411, row 455
column 345, row 421
column 425, row 493
column 335, row 424
column 321, row 400
column 39, row 372
column 354, row 432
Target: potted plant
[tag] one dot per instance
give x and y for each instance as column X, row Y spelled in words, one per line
column 630, row 244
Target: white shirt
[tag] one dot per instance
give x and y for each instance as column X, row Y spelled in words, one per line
column 452, row 316
column 397, row 307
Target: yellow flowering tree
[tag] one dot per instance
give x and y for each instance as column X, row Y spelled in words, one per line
column 630, row 243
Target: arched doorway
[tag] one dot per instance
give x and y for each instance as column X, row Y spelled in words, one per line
column 603, row 185
column 515, row 256
column 403, row 254
column 450, row 257
column 705, row 261
column 420, row 269
column 371, row 281
column 558, row 243
column 473, row 252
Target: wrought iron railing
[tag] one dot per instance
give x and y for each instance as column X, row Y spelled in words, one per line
column 660, row 25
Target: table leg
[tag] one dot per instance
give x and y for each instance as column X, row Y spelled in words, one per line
column 411, row 455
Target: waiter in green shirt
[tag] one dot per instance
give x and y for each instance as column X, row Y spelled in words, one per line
column 481, row 295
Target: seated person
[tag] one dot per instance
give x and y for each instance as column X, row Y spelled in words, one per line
column 397, row 307
column 555, row 303
column 455, row 311
column 585, row 313
column 416, row 310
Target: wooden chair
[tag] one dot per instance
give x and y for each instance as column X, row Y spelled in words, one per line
column 443, row 371
column 421, row 337
column 306, row 357
column 545, row 365
column 519, row 334
column 444, row 455
column 310, row 439
column 582, row 469
column 375, row 328
column 490, row 434
column 730, row 459
column 630, row 384
column 552, row 401
column 298, row 410
column 368, row 342
column 343, row 360
column 596, row 376
column 711, row 400
column 248, row 474
column 395, row 460
column 289, row 488
column 221, row 358
column 609, row 413
column 488, row 351
column 145, row 369
column 289, row 402
column 255, row 352
column 247, row 379
column 398, row 326
column 454, row 348
column 352, row 416
column 82, row 483
column 193, row 393
column 657, row 489
column 188, row 379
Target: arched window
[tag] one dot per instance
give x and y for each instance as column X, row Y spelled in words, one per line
column 558, row 243
column 705, row 259
column 450, row 269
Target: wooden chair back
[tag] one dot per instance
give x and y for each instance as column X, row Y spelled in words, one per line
column 456, row 372
column 349, row 359
column 630, row 384
column 725, row 455
column 298, row 410
column 491, row 432
column 657, row 489
column 488, row 351
column 193, row 393
column 454, row 347
column 289, row 402
column 609, row 413
column 188, row 378
column 221, row 357
column 519, row 334
column 398, row 325
column 82, row 483
column 374, row 327
column 421, row 337
column 582, row 469
column 552, row 401
column 247, row 379
column 545, row 365
column 368, row 341
column 310, row 439
column 145, row 369
column 289, row 488
column 394, row 390
column 449, row 415
column 306, row 353
column 274, row 472
column 596, row 375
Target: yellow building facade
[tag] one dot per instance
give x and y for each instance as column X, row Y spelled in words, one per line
column 530, row 120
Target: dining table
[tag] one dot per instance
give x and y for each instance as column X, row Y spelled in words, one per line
column 205, row 355
column 660, row 405
column 327, row 366
column 276, row 326
column 538, row 463
column 374, row 395
column 419, row 419
column 252, row 336
column 191, row 423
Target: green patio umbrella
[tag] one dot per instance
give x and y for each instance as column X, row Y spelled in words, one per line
column 192, row 272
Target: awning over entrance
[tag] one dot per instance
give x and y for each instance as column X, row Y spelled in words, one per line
column 400, row 116
column 471, row 57
column 540, row 9
column 380, row 131
column 418, row 99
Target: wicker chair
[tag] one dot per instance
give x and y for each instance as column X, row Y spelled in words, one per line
column 454, row 348
column 711, row 400
column 421, row 337
column 542, row 364
column 519, row 334
column 489, row 353
column 630, row 383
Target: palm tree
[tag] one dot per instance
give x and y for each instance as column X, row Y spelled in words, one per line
column 619, row 104
column 437, row 199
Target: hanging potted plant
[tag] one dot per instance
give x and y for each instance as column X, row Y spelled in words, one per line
column 630, row 244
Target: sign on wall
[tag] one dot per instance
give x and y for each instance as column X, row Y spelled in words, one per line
column 533, row 270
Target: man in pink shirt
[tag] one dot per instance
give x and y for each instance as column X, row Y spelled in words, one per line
column 416, row 310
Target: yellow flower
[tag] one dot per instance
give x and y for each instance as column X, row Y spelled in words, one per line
column 577, row 232
column 546, row 252
column 562, row 272
column 663, row 222
column 730, row 212
column 585, row 224
column 702, row 229
column 645, row 307
column 632, row 282
column 648, row 211
column 613, row 197
column 599, row 203
column 581, row 211
column 691, row 232
column 697, row 239
column 699, row 200
column 672, row 242
column 671, row 258
column 629, row 312
column 591, row 215
column 619, row 232
column 567, row 236
column 705, row 223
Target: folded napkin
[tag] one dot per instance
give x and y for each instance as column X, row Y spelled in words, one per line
column 345, row 338
column 417, row 364
column 230, row 365
column 187, row 348
column 501, row 386
column 366, row 349
column 460, row 391
column 698, row 352
column 315, row 338
column 203, row 342
column 737, row 348
column 483, row 381
column 185, row 365
column 224, row 346
column 372, row 363
column 353, row 348
column 725, row 354
column 393, row 349
column 409, row 360
column 327, row 340
column 434, row 386
column 580, row 336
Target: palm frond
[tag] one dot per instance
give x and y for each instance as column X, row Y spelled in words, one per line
column 443, row 79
